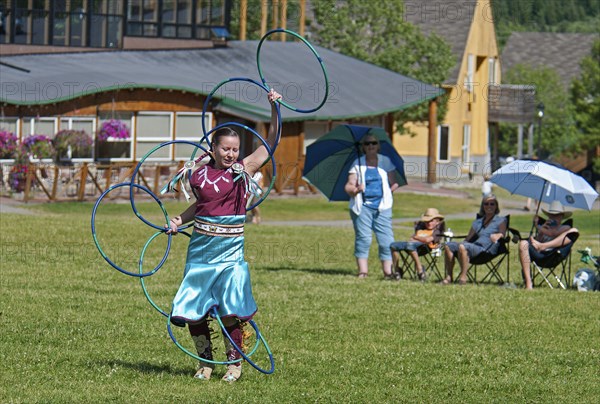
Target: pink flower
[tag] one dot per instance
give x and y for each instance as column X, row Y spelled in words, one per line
column 113, row 129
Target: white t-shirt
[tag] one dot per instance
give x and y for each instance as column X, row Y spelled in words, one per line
column 384, row 166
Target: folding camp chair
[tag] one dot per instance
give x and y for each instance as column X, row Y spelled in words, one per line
column 556, row 264
column 492, row 263
column 403, row 263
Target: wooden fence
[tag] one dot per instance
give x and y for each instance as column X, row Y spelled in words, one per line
column 87, row 181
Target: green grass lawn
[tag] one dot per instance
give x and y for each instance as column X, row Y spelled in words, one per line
column 74, row 329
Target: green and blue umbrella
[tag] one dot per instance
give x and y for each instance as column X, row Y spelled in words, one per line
column 329, row 159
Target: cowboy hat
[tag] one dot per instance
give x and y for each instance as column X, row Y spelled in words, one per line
column 430, row 214
column 556, row 208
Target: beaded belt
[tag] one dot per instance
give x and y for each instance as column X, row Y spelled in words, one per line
column 220, row 230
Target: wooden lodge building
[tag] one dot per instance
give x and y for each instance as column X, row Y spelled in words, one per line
column 158, row 86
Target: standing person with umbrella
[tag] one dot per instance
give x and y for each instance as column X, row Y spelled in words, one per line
column 370, row 186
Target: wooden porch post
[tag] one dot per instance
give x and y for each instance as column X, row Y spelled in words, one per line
column 283, row 19
column 263, row 18
column 432, row 142
column 243, row 19
column 302, row 17
column 389, row 126
column 275, row 14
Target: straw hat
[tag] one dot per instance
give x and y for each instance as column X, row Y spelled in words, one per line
column 430, row 214
column 556, row 208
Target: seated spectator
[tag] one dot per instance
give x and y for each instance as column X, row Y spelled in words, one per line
column 486, row 230
column 551, row 234
column 428, row 231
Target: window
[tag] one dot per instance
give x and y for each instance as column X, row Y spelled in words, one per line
column 86, row 124
column 142, row 17
column 209, row 13
column 29, row 25
column 177, row 18
column 115, row 149
column 188, row 126
column 470, row 72
column 466, row 145
column 69, row 22
column 443, row 143
column 100, row 23
column 312, row 132
column 492, row 71
column 152, row 129
column 9, row 124
column 39, row 126
column 106, row 23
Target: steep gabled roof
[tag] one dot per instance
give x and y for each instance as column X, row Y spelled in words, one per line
column 560, row 51
column 452, row 22
column 357, row 89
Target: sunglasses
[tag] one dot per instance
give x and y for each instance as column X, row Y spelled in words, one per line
column 370, row 143
column 489, row 204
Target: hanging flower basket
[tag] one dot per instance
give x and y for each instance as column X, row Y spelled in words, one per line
column 72, row 144
column 8, row 144
column 17, row 177
column 39, row 146
column 113, row 130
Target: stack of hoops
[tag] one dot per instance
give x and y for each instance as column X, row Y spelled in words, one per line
column 204, row 146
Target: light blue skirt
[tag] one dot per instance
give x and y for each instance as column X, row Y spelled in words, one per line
column 215, row 275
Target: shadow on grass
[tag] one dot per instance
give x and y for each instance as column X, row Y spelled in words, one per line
column 149, row 368
column 320, row 271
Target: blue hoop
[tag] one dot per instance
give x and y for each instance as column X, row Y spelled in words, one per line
column 97, row 243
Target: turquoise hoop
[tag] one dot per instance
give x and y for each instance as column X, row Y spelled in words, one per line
column 142, row 281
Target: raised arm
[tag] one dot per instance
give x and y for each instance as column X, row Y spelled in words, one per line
column 254, row 161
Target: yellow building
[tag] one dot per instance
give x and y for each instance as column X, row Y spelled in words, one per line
column 463, row 137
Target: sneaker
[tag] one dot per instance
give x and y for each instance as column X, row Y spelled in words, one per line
column 234, row 372
column 422, row 276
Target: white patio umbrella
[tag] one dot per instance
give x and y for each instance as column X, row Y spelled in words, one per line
column 545, row 182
